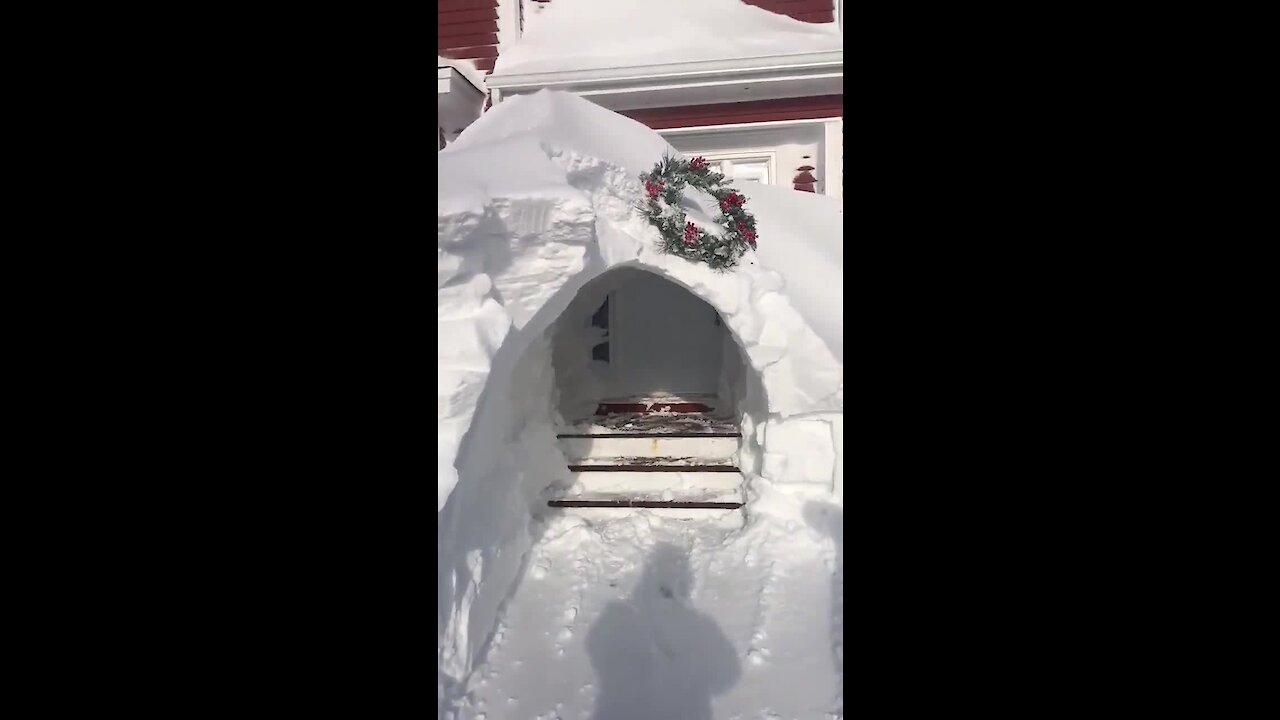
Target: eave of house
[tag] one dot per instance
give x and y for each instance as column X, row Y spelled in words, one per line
column 700, row 82
column 459, row 102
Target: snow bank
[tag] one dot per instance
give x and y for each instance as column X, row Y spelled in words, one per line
column 591, row 34
column 536, row 199
column 814, row 267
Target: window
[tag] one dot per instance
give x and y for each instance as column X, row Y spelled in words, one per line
column 742, row 166
column 745, row 170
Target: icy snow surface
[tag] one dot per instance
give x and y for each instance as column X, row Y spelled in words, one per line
column 536, row 200
column 591, row 34
column 635, row 619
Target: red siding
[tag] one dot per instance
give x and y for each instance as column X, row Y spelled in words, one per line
column 744, row 112
column 468, row 30
column 811, row 11
column 467, row 16
column 464, row 5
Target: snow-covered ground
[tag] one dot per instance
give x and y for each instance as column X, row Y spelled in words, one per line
column 641, row 619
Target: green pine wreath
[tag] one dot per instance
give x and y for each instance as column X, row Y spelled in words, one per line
column 665, row 186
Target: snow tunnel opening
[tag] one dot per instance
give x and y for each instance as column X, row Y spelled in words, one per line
column 632, row 339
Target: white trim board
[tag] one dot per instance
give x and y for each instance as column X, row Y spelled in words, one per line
column 448, row 77
column 508, row 23
column 729, row 80
column 743, row 126
column 823, row 63
column 458, row 102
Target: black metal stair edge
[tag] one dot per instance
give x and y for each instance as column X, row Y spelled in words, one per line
column 653, row 468
column 646, row 504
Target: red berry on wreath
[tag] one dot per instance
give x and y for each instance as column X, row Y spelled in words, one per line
column 697, row 163
column 691, row 233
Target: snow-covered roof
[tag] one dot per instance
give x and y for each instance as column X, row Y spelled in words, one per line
column 537, row 197
column 578, row 34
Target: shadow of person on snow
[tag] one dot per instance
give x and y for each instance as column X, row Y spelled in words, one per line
column 828, row 519
column 654, row 654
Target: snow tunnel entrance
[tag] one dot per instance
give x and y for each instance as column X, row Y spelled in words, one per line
column 631, row 339
column 652, row 388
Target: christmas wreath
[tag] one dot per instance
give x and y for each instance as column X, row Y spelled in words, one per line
column 665, row 186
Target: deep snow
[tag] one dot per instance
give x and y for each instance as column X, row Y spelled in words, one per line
column 638, row 619
column 591, row 34
column 537, row 200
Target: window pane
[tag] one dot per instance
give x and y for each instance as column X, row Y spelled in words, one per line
column 751, row 171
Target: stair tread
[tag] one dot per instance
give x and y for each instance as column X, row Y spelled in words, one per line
column 654, row 468
column 695, row 494
column 672, row 504
column 650, row 435
column 605, row 461
column 647, row 425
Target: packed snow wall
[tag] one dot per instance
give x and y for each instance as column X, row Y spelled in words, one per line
column 536, row 199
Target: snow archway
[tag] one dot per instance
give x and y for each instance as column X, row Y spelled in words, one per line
column 536, row 201
column 630, row 334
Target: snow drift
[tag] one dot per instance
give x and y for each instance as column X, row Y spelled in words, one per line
column 536, row 199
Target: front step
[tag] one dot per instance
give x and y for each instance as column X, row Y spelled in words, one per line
column 647, row 483
column 659, row 463
column 678, row 466
column 651, row 407
column 656, row 504
column 728, row 517
column 720, row 509
column 646, row 445
column 656, row 497
column 665, row 404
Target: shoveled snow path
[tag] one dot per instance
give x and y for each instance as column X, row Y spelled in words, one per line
column 597, row 627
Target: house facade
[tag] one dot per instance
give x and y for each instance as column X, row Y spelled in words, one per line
column 773, row 115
